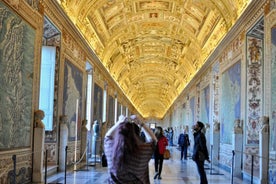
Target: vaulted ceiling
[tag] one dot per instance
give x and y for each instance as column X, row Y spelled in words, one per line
column 153, row 48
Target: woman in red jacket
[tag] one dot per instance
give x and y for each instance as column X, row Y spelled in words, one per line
column 159, row 151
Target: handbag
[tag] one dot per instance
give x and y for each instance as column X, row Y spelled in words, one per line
column 104, row 160
column 167, row 154
column 201, row 156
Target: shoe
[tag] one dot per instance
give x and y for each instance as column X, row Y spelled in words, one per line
column 159, row 177
column 155, row 176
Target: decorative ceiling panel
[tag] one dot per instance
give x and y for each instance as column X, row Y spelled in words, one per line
column 153, row 48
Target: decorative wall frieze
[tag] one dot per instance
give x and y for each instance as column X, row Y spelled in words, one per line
column 52, row 152
column 248, row 153
column 53, row 15
column 232, row 52
column 73, row 151
column 23, row 167
column 36, row 5
column 26, row 12
column 254, row 102
column 98, row 78
column 225, row 158
column 215, row 91
column 205, row 80
column 272, row 4
column 72, row 45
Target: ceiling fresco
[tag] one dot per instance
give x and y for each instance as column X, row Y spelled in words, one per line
column 153, row 48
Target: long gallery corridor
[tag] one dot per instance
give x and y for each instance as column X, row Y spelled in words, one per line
column 70, row 69
column 174, row 171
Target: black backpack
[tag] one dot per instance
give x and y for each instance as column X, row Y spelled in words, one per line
column 104, row 161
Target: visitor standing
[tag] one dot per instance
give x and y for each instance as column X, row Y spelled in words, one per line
column 159, row 151
column 200, row 152
column 184, row 143
column 127, row 155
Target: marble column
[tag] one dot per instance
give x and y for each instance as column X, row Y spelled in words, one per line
column 39, row 137
column 264, row 150
column 216, row 142
column 237, row 147
column 63, row 140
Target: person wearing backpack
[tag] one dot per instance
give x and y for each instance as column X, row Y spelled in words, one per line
column 184, row 143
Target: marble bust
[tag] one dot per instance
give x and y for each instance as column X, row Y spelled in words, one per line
column 216, row 126
column 265, row 124
column 237, row 126
column 83, row 125
column 39, row 115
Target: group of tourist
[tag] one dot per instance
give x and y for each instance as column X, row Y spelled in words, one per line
column 128, row 155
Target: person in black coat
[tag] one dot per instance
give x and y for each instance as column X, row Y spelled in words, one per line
column 200, row 152
column 184, row 143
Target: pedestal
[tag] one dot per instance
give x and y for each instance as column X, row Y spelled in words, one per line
column 215, row 150
column 63, row 143
column 84, row 142
column 237, row 147
column 264, row 155
column 39, row 136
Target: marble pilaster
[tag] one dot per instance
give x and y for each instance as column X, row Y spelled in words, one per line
column 237, row 147
column 39, row 136
column 63, row 132
column 264, row 151
column 38, row 149
column 216, row 142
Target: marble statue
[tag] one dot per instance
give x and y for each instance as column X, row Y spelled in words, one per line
column 63, row 119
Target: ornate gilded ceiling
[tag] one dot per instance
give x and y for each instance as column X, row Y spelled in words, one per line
column 153, row 48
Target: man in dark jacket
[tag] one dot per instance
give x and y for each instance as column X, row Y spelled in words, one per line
column 184, row 142
column 200, row 152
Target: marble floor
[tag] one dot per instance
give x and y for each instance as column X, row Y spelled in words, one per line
column 174, row 171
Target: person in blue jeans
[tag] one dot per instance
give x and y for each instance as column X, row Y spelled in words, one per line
column 200, row 152
column 184, row 143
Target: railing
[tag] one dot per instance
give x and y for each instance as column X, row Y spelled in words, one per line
column 12, row 176
column 253, row 158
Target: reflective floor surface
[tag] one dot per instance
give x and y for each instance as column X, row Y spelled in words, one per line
column 174, row 171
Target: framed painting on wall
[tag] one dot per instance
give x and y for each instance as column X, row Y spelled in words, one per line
column 72, row 99
column 205, row 105
column 230, row 101
column 17, row 43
